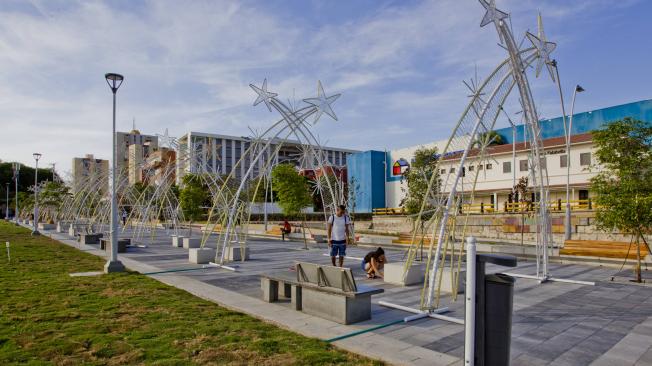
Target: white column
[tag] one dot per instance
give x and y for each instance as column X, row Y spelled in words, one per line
column 232, row 155
column 214, row 153
column 223, row 157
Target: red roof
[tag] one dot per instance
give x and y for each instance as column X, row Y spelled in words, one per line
column 520, row 146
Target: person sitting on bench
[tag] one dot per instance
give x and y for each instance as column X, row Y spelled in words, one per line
column 373, row 263
column 286, row 229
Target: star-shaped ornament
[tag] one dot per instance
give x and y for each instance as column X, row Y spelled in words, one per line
column 544, row 49
column 322, row 103
column 263, row 95
column 492, row 15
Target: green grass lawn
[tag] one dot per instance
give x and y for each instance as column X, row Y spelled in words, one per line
column 48, row 317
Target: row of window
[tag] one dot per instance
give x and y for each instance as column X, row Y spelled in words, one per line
column 585, row 160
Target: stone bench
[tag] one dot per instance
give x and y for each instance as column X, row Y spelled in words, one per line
column 90, row 238
column 105, row 244
column 46, row 226
column 324, row 291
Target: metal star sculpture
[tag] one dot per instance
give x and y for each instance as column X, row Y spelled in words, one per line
column 263, row 95
column 322, row 103
column 492, row 15
column 544, row 49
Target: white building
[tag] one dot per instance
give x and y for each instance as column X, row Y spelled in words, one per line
column 219, row 154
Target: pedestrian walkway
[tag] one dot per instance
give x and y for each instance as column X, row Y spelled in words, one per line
column 553, row 323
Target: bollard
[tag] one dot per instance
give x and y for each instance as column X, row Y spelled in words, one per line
column 469, row 315
column 8, row 254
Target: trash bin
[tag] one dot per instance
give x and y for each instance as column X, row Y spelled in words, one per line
column 494, row 297
column 499, row 304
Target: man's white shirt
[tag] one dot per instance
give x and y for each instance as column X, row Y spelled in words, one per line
column 339, row 226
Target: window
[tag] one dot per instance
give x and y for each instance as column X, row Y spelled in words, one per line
column 563, row 161
column 522, row 165
column 488, row 166
column 542, row 162
column 585, row 159
column 452, row 170
column 471, row 167
column 480, row 167
column 507, row 167
column 443, row 171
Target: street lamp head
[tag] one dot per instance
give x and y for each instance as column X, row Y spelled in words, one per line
column 579, row 89
column 36, row 156
column 114, row 80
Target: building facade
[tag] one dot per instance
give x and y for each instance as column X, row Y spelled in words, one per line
column 500, row 168
column 132, row 150
column 90, row 172
column 221, row 154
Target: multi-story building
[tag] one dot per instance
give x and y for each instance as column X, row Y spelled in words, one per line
column 90, row 172
column 378, row 174
column 220, row 154
column 133, row 148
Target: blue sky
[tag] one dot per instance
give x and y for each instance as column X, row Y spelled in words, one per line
column 398, row 64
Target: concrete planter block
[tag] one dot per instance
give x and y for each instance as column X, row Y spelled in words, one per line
column 90, row 238
column 201, row 255
column 177, row 241
column 191, row 243
column 394, row 274
column 43, row 226
column 62, row 227
column 235, row 254
column 71, row 230
column 447, row 281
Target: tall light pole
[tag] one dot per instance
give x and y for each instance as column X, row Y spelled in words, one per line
column 578, row 89
column 113, row 264
column 7, row 203
column 36, row 156
column 16, row 167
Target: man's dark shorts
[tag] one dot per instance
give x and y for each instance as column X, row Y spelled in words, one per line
column 338, row 246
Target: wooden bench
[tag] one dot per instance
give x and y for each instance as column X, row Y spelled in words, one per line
column 324, row 291
column 601, row 248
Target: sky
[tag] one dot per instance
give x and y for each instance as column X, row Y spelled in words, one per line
column 399, row 66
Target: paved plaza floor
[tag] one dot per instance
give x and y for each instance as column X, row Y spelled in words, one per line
column 553, row 323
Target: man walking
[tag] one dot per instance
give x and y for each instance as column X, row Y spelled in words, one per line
column 338, row 234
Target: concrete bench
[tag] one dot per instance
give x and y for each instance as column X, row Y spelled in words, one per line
column 105, row 244
column 46, row 226
column 324, row 291
column 90, row 238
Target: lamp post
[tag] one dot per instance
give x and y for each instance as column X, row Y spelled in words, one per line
column 578, row 89
column 7, row 203
column 36, row 156
column 113, row 264
column 16, row 167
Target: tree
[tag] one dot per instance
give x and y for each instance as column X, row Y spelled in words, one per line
column 623, row 188
column 524, row 197
column 292, row 191
column 51, row 198
column 488, row 139
column 418, row 176
column 192, row 196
